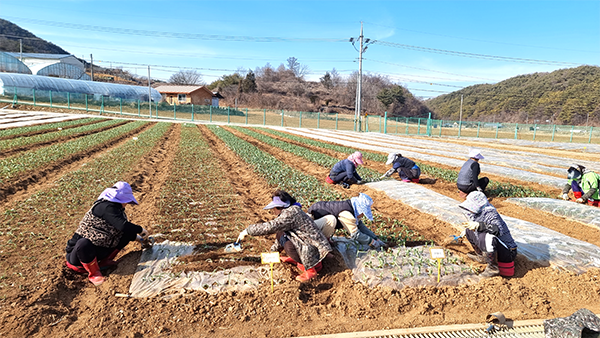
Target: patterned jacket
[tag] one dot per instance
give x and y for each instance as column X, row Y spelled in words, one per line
column 490, row 221
column 106, row 231
column 311, row 244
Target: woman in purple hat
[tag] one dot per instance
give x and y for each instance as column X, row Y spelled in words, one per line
column 103, row 232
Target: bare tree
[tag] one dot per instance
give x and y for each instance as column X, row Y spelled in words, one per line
column 186, row 77
column 298, row 69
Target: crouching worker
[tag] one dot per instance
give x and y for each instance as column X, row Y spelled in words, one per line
column 344, row 172
column 296, row 233
column 331, row 215
column 103, row 232
column 584, row 184
column 406, row 168
column 468, row 176
column 489, row 235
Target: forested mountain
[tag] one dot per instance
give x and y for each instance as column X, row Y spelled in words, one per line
column 565, row 96
column 9, row 40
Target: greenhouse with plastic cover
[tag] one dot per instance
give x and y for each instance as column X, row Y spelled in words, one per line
column 44, row 87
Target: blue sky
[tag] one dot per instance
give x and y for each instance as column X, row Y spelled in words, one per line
column 430, row 47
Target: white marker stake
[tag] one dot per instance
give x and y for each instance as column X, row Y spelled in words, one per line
column 270, row 258
column 438, row 253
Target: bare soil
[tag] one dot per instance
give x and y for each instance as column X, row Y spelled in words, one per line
column 50, row 301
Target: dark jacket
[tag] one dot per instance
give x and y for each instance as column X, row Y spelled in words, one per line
column 403, row 162
column 346, row 166
column 105, row 224
column 324, row 208
column 311, row 244
column 469, row 173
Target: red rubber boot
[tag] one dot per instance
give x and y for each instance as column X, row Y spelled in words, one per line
column 109, row 262
column 95, row 276
column 78, row 269
column 289, row 260
column 308, row 274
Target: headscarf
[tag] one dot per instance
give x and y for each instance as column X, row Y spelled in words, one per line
column 356, row 158
column 119, row 193
column 392, row 157
column 362, row 205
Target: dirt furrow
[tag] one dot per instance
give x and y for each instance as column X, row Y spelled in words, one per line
column 30, row 147
column 42, row 174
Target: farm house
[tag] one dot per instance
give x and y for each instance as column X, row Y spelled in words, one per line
column 198, row 95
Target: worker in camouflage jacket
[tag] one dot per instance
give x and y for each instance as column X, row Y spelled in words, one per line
column 296, row 233
column 584, row 183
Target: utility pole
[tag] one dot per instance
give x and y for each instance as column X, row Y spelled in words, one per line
column 21, row 50
column 150, row 94
column 92, row 66
column 460, row 116
column 363, row 45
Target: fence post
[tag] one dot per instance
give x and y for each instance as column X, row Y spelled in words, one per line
column 336, row 121
column 246, row 116
column 34, row 97
column 68, row 100
column 478, row 126
column 174, row 112
column 380, row 123
column 385, row 123
column 209, row 113
column 367, row 123
column 553, row 130
column 459, row 127
column 318, row 120
column 228, row 114
column 264, row 117
column 441, row 123
column 516, row 130
column 86, row 103
column 102, row 105
column 156, row 108
column 300, row 121
column 121, row 106
column 406, row 132
column 497, row 126
column 571, row 139
column 50, row 92
column 534, row 131
column 192, row 112
column 282, row 117
column 419, row 126
column 429, row 125
column 396, row 125
column 591, row 130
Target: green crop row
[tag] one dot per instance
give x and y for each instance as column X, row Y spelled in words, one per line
column 306, row 189
column 44, row 127
column 49, row 217
column 16, row 165
column 321, row 159
column 448, row 175
column 196, row 197
column 47, row 137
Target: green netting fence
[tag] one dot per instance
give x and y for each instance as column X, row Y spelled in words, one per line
column 102, row 104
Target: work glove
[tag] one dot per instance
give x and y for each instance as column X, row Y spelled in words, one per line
column 242, row 235
column 565, row 197
column 144, row 234
column 479, row 189
column 580, row 200
column 457, row 239
column 377, row 244
column 382, row 176
column 472, row 225
column 360, row 182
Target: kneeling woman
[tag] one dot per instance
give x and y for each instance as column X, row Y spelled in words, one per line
column 296, row 233
column 103, row 232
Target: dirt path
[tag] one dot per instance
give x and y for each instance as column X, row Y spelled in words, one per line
column 68, row 306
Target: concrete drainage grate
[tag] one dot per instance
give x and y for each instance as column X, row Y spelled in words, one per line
column 455, row 331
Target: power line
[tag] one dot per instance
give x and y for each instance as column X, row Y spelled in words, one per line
column 480, row 40
column 431, row 70
column 173, row 35
column 474, row 55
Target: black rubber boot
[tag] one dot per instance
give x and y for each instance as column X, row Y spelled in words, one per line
column 492, row 265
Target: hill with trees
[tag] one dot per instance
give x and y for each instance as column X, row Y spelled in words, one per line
column 284, row 87
column 565, row 96
column 11, row 33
